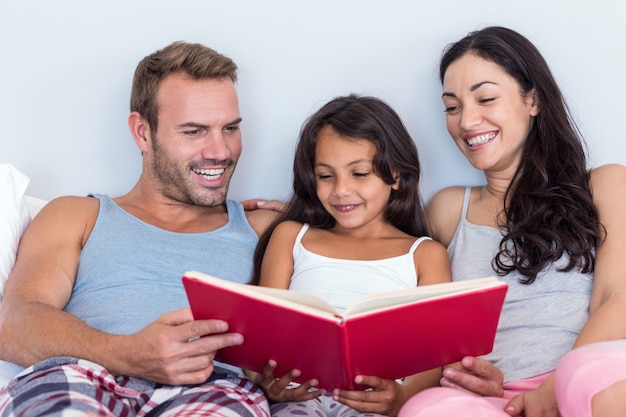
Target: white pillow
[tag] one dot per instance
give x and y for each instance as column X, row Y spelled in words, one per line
column 14, row 217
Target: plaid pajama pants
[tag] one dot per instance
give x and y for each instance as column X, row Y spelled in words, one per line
column 68, row 387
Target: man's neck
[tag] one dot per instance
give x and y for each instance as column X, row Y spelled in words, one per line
column 169, row 214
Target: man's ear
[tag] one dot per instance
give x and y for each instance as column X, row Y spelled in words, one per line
column 533, row 101
column 140, row 130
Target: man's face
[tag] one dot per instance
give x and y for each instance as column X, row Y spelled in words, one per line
column 198, row 140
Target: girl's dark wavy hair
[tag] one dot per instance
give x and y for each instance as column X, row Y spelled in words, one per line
column 355, row 117
column 550, row 210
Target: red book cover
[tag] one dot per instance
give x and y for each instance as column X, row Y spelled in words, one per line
column 390, row 335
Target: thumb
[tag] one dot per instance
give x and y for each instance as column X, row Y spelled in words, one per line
column 515, row 407
column 177, row 317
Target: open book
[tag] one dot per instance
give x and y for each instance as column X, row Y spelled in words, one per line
column 390, row 335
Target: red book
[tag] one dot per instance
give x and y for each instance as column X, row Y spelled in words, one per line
column 390, row 335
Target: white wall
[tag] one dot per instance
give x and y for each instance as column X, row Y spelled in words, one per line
column 66, row 68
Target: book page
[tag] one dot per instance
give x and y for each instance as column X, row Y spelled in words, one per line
column 293, row 299
column 380, row 301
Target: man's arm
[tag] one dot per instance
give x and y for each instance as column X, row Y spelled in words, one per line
column 34, row 327
column 41, row 283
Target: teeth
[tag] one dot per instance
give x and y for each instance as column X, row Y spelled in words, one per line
column 210, row 174
column 479, row 140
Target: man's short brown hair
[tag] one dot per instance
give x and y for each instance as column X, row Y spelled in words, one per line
column 192, row 59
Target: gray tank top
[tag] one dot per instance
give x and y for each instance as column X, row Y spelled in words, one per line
column 130, row 271
column 539, row 322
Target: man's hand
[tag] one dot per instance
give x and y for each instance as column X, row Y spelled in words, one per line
column 175, row 349
column 257, row 203
column 474, row 375
column 279, row 389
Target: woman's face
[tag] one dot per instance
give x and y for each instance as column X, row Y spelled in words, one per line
column 486, row 113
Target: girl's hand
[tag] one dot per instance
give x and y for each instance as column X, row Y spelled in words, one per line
column 384, row 396
column 279, row 389
column 474, row 375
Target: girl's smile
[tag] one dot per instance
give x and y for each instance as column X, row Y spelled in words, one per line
column 347, row 185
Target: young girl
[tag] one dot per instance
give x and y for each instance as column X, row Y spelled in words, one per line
column 354, row 226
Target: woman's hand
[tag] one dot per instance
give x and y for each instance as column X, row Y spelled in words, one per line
column 474, row 375
column 540, row 402
column 280, row 389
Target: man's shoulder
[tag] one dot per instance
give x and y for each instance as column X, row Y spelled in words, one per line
column 64, row 219
column 71, row 205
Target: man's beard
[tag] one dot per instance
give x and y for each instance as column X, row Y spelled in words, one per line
column 174, row 183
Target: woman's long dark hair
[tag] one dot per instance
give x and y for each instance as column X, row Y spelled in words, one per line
column 358, row 117
column 549, row 208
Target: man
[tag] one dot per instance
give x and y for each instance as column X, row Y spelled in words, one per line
column 95, row 302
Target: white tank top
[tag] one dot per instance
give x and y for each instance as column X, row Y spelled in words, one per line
column 342, row 281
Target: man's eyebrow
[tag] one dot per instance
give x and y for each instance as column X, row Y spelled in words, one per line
column 191, row 124
column 472, row 88
column 235, row 122
column 203, row 126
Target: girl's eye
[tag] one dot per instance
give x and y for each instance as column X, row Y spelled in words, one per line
column 361, row 174
column 323, row 177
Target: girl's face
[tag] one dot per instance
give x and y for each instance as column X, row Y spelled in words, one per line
column 486, row 113
column 346, row 183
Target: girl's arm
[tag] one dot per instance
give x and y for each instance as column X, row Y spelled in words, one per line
column 276, row 271
column 432, row 264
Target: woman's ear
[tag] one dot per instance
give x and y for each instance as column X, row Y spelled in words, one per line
column 533, row 102
column 140, row 130
column 396, row 184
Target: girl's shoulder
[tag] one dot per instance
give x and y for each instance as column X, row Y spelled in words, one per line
column 288, row 228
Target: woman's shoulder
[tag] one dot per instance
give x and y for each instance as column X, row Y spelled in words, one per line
column 608, row 190
column 445, row 194
column 443, row 213
column 608, row 173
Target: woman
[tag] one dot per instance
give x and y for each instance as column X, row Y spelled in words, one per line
column 554, row 231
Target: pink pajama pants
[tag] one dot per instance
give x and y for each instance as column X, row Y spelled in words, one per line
column 586, row 371
column 581, row 374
